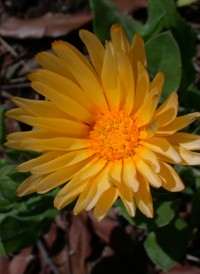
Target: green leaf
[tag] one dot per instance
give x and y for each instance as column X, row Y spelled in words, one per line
column 167, row 245
column 2, row 250
column 182, row 3
column 7, row 185
column 156, row 14
column 16, row 234
column 185, row 37
column 165, row 210
column 2, row 126
column 163, row 55
column 22, row 220
column 106, row 14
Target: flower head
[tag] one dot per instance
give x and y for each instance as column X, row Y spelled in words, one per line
column 100, row 130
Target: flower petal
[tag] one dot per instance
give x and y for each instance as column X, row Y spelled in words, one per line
column 109, row 78
column 62, row 161
column 142, row 87
column 167, row 112
column 74, row 190
column 119, row 38
column 63, row 88
column 143, row 198
column 148, row 156
column 46, row 157
column 147, row 109
column 82, row 71
column 163, row 147
column 69, row 127
column 147, row 172
column 105, row 202
column 57, row 178
column 186, row 140
column 189, row 157
column 127, row 197
column 115, row 173
column 43, row 145
column 63, row 102
column 95, row 49
column 170, row 179
column 53, row 63
column 37, row 108
column 138, row 49
column 126, row 76
column 178, row 123
column 93, row 191
column 92, row 169
column 129, row 174
column 29, row 185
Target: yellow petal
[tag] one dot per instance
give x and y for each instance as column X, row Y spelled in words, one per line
column 109, row 78
column 189, row 157
column 143, row 198
column 178, row 123
column 186, row 140
column 75, row 188
column 142, row 86
column 148, row 156
column 170, row 179
column 90, row 170
column 29, row 185
column 115, row 173
column 99, row 184
column 126, row 76
column 127, row 197
column 163, row 147
column 82, row 71
column 42, row 145
column 138, row 49
column 147, row 171
column 55, row 179
column 93, row 191
column 95, row 49
column 148, row 107
column 63, row 102
column 167, row 112
column 77, row 185
column 119, row 38
column 62, row 161
column 46, row 157
column 69, row 127
column 53, row 63
column 129, row 174
column 105, row 202
column 38, row 108
column 63, row 87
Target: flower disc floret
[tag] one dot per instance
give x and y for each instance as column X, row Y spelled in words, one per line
column 114, row 135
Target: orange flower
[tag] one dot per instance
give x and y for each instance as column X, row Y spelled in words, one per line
column 101, row 128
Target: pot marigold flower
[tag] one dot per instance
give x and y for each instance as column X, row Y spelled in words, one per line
column 101, row 129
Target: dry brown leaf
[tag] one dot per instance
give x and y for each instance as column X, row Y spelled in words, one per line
column 50, row 24
column 129, row 6
column 57, row 24
column 183, row 269
column 4, row 265
column 20, row 262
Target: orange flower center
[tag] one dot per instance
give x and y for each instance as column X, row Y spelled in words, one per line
column 114, row 135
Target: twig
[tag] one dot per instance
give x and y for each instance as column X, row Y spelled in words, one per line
column 14, row 86
column 14, row 53
column 193, row 258
column 48, row 261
